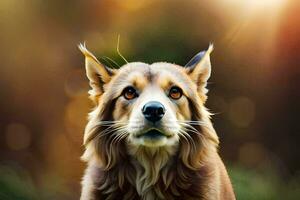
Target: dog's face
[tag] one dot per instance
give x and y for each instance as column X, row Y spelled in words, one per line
column 152, row 101
column 149, row 105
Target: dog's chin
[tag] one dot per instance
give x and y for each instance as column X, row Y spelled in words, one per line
column 153, row 138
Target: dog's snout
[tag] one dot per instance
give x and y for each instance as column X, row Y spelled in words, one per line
column 153, row 111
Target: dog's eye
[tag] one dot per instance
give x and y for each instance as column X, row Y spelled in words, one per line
column 175, row 92
column 129, row 93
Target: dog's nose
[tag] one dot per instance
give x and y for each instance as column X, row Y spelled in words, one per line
column 153, row 111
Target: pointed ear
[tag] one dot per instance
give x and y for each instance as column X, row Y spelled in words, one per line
column 199, row 67
column 97, row 73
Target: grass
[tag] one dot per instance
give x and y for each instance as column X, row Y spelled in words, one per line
column 16, row 184
column 262, row 185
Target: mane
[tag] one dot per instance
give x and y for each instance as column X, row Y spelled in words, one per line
column 141, row 172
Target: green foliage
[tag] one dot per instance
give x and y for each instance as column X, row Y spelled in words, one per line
column 16, row 185
column 262, row 185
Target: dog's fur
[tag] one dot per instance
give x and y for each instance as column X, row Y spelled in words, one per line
column 184, row 165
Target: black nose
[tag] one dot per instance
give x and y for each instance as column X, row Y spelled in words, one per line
column 153, row 111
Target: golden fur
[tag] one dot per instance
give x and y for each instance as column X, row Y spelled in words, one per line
column 184, row 166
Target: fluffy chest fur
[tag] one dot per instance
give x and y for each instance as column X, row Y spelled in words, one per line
column 154, row 179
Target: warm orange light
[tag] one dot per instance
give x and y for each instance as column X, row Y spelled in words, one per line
column 270, row 4
column 256, row 5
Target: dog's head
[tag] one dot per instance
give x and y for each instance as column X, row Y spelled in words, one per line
column 149, row 106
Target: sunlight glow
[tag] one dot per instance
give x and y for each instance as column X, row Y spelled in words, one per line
column 257, row 5
column 265, row 4
column 254, row 18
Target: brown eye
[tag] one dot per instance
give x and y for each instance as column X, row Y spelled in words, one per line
column 129, row 93
column 175, row 92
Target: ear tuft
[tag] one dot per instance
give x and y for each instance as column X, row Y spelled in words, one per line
column 210, row 48
column 86, row 52
column 97, row 73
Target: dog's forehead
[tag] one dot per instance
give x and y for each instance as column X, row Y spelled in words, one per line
column 142, row 71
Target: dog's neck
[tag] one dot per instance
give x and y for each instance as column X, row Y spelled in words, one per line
column 150, row 164
column 149, row 173
column 146, row 172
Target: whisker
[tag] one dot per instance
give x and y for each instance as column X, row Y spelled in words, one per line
column 198, row 123
column 115, row 129
column 119, row 136
column 122, row 135
column 199, row 134
column 190, row 127
column 115, row 122
column 190, row 139
column 111, row 60
column 108, row 131
column 182, row 135
column 191, row 121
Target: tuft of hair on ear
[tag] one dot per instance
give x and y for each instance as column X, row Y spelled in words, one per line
column 86, row 52
column 199, row 68
column 97, row 73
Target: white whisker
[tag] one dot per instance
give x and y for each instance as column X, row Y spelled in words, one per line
column 190, row 139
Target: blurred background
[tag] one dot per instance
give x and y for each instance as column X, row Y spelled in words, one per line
column 254, row 88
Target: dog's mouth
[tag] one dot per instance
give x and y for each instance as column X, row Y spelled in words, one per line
column 153, row 134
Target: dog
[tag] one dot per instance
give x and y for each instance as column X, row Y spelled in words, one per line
column 149, row 135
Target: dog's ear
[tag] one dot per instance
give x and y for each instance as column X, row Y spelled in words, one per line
column 199, row 67
column 97, row 73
